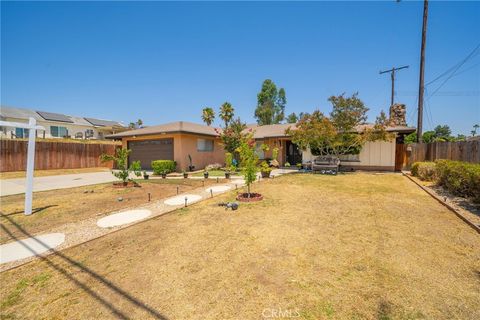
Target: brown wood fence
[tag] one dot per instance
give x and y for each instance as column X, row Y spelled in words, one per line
column 468, row 151
column 53, row 155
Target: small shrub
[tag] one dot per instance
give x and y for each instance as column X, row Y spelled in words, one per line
column 229, row 162
column 460, row 178
column 161, row 166
column 264, row 167
column 424, row 170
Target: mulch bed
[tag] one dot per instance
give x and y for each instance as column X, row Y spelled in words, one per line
column 129, row 184
column 252, row 197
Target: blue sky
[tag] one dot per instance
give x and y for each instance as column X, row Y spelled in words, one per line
column 164, row 61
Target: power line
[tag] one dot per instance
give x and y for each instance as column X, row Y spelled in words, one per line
column 455, row 67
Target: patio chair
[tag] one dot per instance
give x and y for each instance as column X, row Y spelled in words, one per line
column 326, row 165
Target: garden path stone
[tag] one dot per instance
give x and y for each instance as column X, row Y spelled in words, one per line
column 30, row 247
column 124, row 217
column 217, row 189
column 180, row 200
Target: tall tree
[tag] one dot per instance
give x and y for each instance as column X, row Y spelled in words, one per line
column 442, row 132
column 135, row 125
column 226, row 113
column 271, row 104
column 208, row 115
column 292, row 118
column 474, row 131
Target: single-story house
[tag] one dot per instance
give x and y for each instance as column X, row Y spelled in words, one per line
column 174, row 141
column 180, row 141
column 57, row 125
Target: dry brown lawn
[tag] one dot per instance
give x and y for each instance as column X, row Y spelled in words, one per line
column 354, row 246
column 57, row 207
column 52, row 172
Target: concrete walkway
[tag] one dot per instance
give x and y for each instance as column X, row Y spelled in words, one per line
column 82, row 231
column 17, row 186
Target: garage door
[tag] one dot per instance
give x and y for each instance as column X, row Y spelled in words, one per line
column 148, row 150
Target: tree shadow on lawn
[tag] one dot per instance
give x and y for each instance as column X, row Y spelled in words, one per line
column 105, row 282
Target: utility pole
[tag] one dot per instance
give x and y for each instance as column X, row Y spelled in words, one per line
column 392, row 74
column 421, row 86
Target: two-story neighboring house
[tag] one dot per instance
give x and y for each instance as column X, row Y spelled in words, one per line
column 58, row 125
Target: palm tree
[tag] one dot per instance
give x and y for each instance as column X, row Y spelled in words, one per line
column 208, row 115
column 226, row 112
column 474, row 131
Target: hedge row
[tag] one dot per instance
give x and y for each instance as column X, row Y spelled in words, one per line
column 459, row 178
column 163, row 166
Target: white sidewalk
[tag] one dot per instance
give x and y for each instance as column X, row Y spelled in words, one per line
column 17, row 186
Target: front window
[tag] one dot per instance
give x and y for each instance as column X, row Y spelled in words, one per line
column 56, row 131
column 89, row 133
column 21, row 133
column 204, row 145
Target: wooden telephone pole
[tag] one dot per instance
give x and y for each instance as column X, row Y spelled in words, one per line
column 392, row 74
column 421, row 86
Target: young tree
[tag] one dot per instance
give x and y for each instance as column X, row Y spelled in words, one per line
column 271, row 104
column 121, row 161
column 208, row 115
column 344, row 132
column 292, row 118
column 226, row 113
column 248, row 160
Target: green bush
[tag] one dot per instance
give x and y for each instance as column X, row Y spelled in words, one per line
column 424, row 170
column 460, row 178
column 161, row 166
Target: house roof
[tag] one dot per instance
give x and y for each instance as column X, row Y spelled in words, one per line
column 260, row 132
column 172, row 127
column 21, row 113
column 270, row 130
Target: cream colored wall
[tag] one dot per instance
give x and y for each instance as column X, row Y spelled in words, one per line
column 378, row 154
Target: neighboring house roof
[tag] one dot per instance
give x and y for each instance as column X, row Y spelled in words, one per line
column 172, row 127
column 103, row 123
column 21, row 113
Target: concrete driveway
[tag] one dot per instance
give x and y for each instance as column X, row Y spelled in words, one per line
column 17, row 186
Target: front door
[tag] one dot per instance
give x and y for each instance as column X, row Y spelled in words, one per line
column 294, row 154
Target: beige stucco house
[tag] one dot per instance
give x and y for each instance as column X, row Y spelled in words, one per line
column 180, row 141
